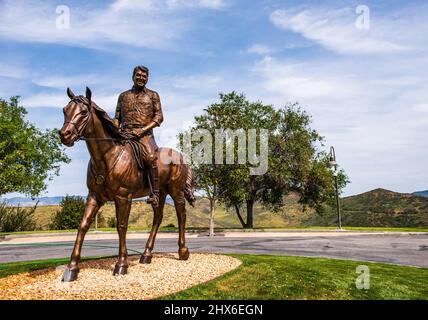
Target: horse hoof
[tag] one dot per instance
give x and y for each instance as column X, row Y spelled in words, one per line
column 120, row 270
column 183, row 255
column 70, row 275
column 145, row 259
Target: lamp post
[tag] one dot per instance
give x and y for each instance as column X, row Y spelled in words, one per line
column 334, row 166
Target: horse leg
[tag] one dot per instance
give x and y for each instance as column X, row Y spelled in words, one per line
column 91, row 209
column 180, row 209
column 157, row 220
column 123, row 207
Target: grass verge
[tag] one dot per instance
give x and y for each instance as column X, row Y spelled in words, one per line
column 281, row 277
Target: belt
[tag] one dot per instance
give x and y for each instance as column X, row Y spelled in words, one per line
column 135, row 126
column 132, row 125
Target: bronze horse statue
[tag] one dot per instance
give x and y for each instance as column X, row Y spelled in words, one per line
column 113, row 175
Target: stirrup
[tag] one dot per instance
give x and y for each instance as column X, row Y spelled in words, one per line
column 153, row 200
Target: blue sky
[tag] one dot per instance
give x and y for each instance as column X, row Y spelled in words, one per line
column 366, row 88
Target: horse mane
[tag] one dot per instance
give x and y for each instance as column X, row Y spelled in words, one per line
column 104, row 118
column 107, row 121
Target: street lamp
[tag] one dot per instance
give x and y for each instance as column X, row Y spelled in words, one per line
column 334, row 166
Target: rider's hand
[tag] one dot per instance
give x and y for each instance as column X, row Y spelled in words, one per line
column 139, row 132
column 116, row 123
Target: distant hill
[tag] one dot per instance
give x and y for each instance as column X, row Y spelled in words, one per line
column 28, row 202
column 376, row 208
column 379, row 207
column 46, row 201
column 421, row 193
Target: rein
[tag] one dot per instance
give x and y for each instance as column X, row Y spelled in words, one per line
column 97, row 139
column 99, row 178
column 80, row 132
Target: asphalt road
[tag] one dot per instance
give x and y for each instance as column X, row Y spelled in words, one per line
column 403, row 249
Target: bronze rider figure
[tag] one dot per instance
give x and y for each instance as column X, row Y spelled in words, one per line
column 138, row 111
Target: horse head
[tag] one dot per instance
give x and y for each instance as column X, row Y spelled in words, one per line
column 76, row 117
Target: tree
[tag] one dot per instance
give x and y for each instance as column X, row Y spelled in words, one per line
column 28, row 156
column 207, row 181
column 295, row 163
column 70, row 215
column 206, row 178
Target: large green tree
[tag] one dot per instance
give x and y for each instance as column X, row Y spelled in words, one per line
column 28, row 156
column 296, row 160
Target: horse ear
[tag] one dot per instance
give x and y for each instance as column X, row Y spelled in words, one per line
column 89, row 95
column 70, row 94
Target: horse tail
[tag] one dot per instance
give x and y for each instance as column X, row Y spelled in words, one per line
column 189, row 188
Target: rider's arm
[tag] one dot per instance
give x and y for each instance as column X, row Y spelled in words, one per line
column 157, row 109
column 117, row 115
column 158, row 115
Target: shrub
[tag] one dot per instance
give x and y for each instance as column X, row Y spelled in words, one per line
column 70, row 215
column 13, row 219
column 112, row 223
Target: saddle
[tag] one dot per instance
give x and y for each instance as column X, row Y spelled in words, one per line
column 138, row 151
column 136, row 147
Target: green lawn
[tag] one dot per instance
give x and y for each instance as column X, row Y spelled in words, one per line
column 280, row 277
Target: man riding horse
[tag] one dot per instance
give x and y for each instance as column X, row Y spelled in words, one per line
column 138, row 111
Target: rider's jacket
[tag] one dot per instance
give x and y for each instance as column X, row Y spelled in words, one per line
column 137, row 109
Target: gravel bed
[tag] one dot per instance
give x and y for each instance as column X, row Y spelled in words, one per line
column 165, row 275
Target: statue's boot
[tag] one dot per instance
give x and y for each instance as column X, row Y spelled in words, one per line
column 154, row 178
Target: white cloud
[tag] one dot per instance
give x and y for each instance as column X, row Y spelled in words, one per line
column 421, row 107
column 144, row 24
column 45, row 100
column 209, row 4
column 306, row 81
column 370, row 99
column 57, row 100
column 373, row 112
column 261, row 49
column 336, row 30
column 200, row 81
column 61, row 82
column 94, row 81
column 11, row 71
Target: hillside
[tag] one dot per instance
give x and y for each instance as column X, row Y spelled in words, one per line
column 141, row 215
column 379, row 208
column 376, row 208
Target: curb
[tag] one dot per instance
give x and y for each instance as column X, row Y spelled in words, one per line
column 218, row 233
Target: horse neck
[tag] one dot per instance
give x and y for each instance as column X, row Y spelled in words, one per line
column 99, row 141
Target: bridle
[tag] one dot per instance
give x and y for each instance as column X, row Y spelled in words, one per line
column 79, row 132
column 99, row 178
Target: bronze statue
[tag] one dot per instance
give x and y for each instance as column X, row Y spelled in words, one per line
column 114, row 175
column 138, row 111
